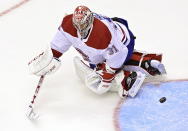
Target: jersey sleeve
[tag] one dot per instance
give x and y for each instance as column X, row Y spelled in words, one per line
column 60, row 42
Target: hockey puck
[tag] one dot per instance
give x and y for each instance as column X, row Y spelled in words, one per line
column 162, row 100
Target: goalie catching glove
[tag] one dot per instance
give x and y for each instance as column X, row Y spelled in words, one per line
column 107, row 75
column 105, row 79
column 99, row 80
column 44, row 63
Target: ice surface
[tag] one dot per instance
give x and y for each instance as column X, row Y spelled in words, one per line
column 63, row 102
column 146, row 113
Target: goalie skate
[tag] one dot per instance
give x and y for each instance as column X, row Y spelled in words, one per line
column 154, row 67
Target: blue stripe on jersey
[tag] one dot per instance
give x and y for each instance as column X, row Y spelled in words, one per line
column 130, row 46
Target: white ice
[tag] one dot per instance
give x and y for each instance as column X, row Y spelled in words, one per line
column 63, row 102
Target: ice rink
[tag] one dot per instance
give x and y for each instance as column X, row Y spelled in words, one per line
column 64, row 103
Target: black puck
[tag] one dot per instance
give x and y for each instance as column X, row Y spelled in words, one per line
column 162, row 100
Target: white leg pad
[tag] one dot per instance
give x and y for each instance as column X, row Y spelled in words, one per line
column 136, row 86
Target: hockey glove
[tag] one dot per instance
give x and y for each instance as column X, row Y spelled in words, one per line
column 44, row 63
column 107, row 75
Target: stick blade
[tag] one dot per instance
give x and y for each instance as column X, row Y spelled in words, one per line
column 31, row 115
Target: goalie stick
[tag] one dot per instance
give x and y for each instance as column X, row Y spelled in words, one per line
column 31, row 114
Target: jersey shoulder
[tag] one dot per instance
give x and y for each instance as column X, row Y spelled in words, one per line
column 67, row 25
column 100, row 36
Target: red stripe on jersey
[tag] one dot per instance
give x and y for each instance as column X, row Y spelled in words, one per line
column 68, row 27
column 100, row 36
column 122, row 32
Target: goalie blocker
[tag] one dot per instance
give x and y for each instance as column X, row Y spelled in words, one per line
column 45, row 63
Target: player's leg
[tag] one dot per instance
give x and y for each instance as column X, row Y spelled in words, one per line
column 150, row 62
column 130, row 83
column 125, row 83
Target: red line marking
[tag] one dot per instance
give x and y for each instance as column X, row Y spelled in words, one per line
column 13, row 7
column 116, row 115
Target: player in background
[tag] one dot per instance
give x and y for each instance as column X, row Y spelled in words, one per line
column 107, row 47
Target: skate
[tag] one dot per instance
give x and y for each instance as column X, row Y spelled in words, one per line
column 153, row 67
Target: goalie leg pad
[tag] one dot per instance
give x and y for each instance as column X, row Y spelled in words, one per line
column 150, row 62
column 131, row 84
column 137, row 84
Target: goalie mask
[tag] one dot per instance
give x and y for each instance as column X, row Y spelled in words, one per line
column 83, row 20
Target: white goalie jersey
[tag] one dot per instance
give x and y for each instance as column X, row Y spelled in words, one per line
column 107, row 41
column 103, row 43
